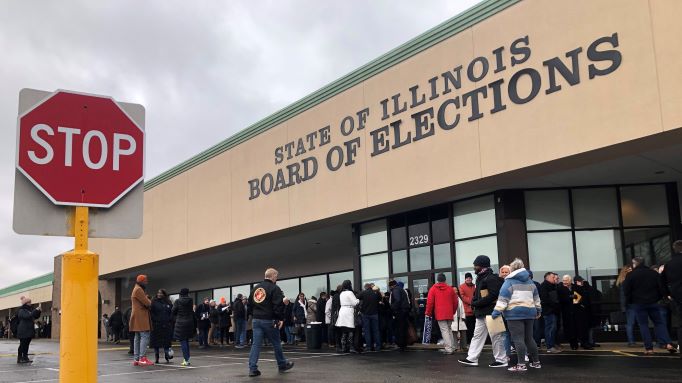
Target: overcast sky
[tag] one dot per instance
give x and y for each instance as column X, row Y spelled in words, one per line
column 204, row 70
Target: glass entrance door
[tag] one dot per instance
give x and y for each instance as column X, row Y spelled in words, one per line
column 420, row 284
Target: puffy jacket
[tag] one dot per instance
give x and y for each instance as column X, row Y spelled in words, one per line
column 489, row 283
column 467, row 294
column 399, row 300
column 443, row 300
column 519, row 298
column 27, row 314
column 116, row 320
column 369, row 302
column 238, row 309
column 184, row 318
column 224, row 315
column 266, row 301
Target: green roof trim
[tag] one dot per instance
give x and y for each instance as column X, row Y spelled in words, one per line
column 418, row 44
column 41, row 281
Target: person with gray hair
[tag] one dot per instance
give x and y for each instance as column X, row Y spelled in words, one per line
column 519, row 302
column 24, row 331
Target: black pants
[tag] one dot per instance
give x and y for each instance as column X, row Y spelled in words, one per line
column 23, row 347
column 401, row 323
column 117, row 333
column 470, row 321
column 131, row 338
column 224, row 334
column 331, row 335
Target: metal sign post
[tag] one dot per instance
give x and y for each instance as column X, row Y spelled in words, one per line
column 78, row 344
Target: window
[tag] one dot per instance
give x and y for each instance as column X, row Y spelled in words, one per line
column 474, row 217
column 222, row 293
column 201, row 295
column 468, row 250
column 652, row 244
column 244, row 290
column 374, row 269
column 551, row 251
column 399, row 261
column 314, row 285
column 173, row 297
column 448, row 277
column 599, row 253
column 644, row 205
column 373, row 237
column 595, row 207
column 547, row 210
column 441, row 256
column 336, row 278
column 420, row 258
column 289, row 287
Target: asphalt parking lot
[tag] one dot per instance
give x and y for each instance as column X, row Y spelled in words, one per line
column 417, row 365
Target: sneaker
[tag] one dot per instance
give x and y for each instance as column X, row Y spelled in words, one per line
column 518, row 368
column 254, row 373
column 445, row 352
column 288, row 366
column 526, row 358
column 553, row 350
column 468, row 362
column 145, row 362
column 535, row 365
column 185, row 363
column 136, row 363
column 498, row 364
column 513, row 349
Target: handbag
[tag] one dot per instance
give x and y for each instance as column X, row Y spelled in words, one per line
column 411, row 335
column 428, row 328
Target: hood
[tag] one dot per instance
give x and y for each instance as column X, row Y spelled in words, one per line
column 520, row 275
column 442, row 286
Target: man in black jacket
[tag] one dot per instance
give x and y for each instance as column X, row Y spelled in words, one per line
column 643, row 289
column 672, row 283
column 319, row 313
column 369, row 307
column 400, row 308
column 116, row 323
column 239, row 314
column 25, row 331
column 549, row 297
column 266, row 307
column 488, row 286
column 126, row 329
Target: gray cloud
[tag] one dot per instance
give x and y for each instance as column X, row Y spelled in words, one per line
column 203, row 70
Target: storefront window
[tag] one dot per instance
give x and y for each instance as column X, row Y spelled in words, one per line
column 547, row 210
column 599, row 253
column 644, row 205
column 202, row 294
column 551, row 252
column 373, row 237
column 173, row 297
column 314, row 285
column 474, row 217
column 468, row 250
column 336, row 279
column 374, row 269
column 399, row 261
column 420, row 258
column 441, row 256
column 222, row 293
column 244, row 290
column 652, row 244
column 448, row 277
column 289, row 287
column 595, row 207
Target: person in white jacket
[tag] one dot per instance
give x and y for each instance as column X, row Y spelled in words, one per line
column 459, row 326
column 331, row 334
column 346, row 320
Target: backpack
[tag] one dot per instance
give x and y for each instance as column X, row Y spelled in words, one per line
column 14, row 325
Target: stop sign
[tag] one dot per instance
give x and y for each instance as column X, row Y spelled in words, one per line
column 80, row 149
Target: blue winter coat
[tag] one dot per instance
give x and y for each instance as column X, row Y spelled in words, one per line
column 519, row 298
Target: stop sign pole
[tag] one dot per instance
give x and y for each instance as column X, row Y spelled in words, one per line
column 80, row 151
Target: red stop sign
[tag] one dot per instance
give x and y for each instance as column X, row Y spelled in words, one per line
column 80, row 149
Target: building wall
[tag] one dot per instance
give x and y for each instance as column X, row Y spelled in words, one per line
column 210, row 204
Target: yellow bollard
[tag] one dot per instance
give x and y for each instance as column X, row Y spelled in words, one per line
column 79, row 317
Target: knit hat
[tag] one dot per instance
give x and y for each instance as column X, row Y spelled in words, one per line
column 222, row 300
column 482, row 261
column 184, row 291
column 25, row 300
column 141, row 278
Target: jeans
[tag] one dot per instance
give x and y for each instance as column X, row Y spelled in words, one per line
column 522, row 334
column 478, row 341
column 184, row 346
column 538, row 330
column 664, row 318
column 264, row 328
column 290, row 331
column 507, row 343
column 331, row 334
column 644, row 312
column 141, row 344
column 370, row 326
column 239, row 332
column 630, row 320
column 203, row 336
column 550, row 329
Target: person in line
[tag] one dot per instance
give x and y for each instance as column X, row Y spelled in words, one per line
column 289, row 325
column 459, row 326
column 629, row 312
column 551, row 309
column 107, row 327
column 504, row 271
column 400, row 308
column 116, row 322
column 311, row 309
column 224, row 312
column 161, row 325
column 369, row 308
column 130, row 335
column 566, row 301
column 441, row 304
column 267, row 310
column 239, row 313
column 581, row 313
column 300, row 308
column 466, row 292
column 320, row 313
column 519, row 302
column 664, row 305
column 203, row 313
column 539, row 323
column 386, row 320
column 331, row 333
column 487, row 290
column 140, row 322
column 345, row 322
column 671, row 278
column 643, row 289
column 184, row 330
column 26, row 315
column 214, row 319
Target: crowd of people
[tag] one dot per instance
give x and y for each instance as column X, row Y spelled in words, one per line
column 514, row 311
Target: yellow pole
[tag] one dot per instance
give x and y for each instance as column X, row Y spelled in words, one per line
column 78, row 343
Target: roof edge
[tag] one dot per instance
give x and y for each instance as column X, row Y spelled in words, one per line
column 433, row 36
column 33, row 283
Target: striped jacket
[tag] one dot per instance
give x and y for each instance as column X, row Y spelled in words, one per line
column 519, row 298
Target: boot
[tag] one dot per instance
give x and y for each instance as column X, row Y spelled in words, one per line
column 353, row 350
column 20, row 359
column 156, row 354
